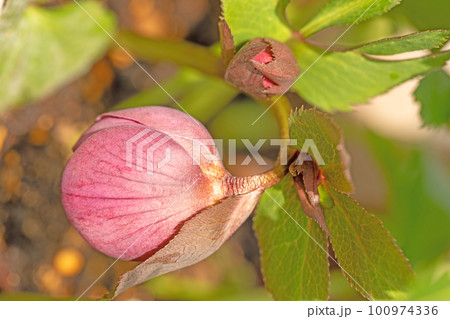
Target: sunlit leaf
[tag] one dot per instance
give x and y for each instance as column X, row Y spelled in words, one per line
column 48, row 47
column 294, row 260
column 254, row 19
column 340, row 79
column 367, row 254
column 417, row 41
column 326, row 136
column 338, row 12
column 433, row 94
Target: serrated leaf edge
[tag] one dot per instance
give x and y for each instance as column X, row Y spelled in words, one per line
column 445, row 40
column 353, row 283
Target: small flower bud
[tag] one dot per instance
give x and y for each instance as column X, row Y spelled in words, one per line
column 263, row 67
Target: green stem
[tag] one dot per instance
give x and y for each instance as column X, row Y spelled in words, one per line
column 182, row 53
column 281, row 109
column 243, row 185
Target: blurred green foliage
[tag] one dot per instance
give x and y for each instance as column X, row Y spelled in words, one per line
column 434, row 95
column 418, row 208
column 47, row 47
column 235, row 279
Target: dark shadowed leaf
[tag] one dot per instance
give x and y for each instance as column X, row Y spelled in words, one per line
column 294, row 264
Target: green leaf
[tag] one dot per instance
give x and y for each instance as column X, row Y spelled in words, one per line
column 254, row 19
column 340, row 79
column 300, row 12
column 176, row 86
column 433, row 283
column 281, row 7
column 233, row 123
column 208, row 97
column 418, row 205
column 49, row 47
column 338, row 12
column 433, row 94
column 316, row 126
column 367, row 254
column 426, row 15
column 182, row 53
column 294, row 265
column 199, row 95
column 417, row 41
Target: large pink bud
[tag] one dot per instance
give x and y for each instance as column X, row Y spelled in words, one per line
column 134, row 179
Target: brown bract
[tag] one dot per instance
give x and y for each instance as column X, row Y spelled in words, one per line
column 307, row 178
column 262, row 68
column 198, row 238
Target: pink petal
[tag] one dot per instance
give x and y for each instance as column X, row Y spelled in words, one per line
column 112, row 205
column 264, row 57
column 178, row 125
column 267, row 83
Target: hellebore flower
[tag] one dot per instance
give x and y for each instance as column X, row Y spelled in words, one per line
column 135, row 190
column 263, row 67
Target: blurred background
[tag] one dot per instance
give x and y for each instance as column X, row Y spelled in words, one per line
column 400, row 168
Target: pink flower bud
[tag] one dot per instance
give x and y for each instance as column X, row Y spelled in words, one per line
column 263, row 67
column 133, row 180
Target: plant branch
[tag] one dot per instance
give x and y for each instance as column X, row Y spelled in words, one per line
column 242, row 185
column 182, row 53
